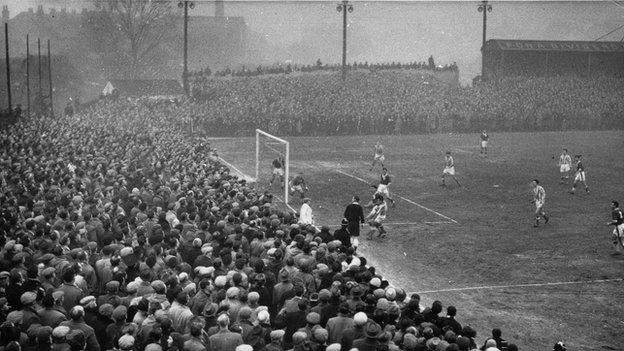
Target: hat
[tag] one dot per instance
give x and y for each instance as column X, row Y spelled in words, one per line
column 183, row 276
column 313, row 318
column 220, row 281
column 153, row 347
column 28, row 298
column 244, row 347
column 87, row 300
column 372, row 330
column 277, row 334
column 106, row 310
column 299, row 337
column 4, row 274
column 60, row 331
column 463, row 343
column 47, row 272
column 119, row 312
column 232, row 292
column 390, row 294
column 58, row 294
column 263, row 316
column 206, row 248
column 159, row 286
column 112, row 286
column 410, row 341
column 126, row 341
column 360, row 318
column 126, row 251
column 244, row 313
column 334, row 347
column 321, row 334
column 376, row 282
column 132, row 287
column 15, row 317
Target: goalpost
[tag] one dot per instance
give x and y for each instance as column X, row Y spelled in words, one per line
column 260, row 135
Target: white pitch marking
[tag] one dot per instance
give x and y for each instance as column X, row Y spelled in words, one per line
column 282, row 200
column 427, row 209
column 404, row 198
column 462, row 151
column 528, row 285
column 245, row 176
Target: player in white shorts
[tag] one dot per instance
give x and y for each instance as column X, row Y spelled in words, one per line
column 565, row 165
column 384, row 183
column 377, row 216
column 617, row 221
column 579, row 176
column 379, row 155
column 539, row 200
column 484, row 142
column 449, row 169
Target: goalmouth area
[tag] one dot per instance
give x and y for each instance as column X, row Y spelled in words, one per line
column 474, row 247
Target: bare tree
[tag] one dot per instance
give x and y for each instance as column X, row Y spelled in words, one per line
column 130, row 32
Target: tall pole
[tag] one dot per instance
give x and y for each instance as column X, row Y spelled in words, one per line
column 485, row 8
column 27, row 76
column 50, row 80
column 344, row 8
column 8, row 66
column 185, row 4
column 39, row 68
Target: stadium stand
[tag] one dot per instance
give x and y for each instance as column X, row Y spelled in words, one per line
column 404, row 101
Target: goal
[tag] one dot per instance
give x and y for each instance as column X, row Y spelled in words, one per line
column 268, row 148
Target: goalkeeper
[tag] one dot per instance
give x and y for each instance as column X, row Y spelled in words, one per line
column 298, row 184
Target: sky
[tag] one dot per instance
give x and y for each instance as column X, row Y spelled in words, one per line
column 403, row 31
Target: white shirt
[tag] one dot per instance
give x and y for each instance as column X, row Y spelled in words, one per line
column 305, row 214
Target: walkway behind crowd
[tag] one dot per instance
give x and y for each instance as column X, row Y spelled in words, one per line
column 120, row 232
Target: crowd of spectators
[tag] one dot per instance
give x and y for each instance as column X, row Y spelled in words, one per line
column 398, row 101
column 122, row 232
column 318, row 66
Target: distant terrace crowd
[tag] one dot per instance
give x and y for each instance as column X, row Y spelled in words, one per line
column 288, row 68
column 402, row 102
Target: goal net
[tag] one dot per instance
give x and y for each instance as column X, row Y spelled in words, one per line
column 268, row 149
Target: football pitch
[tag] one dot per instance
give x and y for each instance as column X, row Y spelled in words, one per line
column 474, row 246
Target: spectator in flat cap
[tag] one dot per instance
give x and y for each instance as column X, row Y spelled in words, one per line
column 126, row 343
column 102, row 321
column 224, row 339
column 49, row 315
column 312, row 320
column 112, row 293
column 59, row 341
column 276, row 340
column 30, row 315
column 77, row 340
column 76, row 322
column 337, row 325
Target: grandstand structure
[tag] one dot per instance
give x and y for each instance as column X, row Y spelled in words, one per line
column 505, row 58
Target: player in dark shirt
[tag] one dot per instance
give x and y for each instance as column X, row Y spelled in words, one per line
column 579, row 177
column 278, row 171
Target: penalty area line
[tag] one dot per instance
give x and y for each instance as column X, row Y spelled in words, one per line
column 403, row 198
column 528, row 285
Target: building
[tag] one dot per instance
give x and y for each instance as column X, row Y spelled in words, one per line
column 502, row 58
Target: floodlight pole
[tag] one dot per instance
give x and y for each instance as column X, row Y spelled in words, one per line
column 8, row 64
column 27, row 76
column 485, row 8
column 50, row 80
column 344, row 7
column 186, row 4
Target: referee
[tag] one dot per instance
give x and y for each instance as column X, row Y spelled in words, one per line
column 354, row 214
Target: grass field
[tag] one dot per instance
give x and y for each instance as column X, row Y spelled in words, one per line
column 484, row 244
